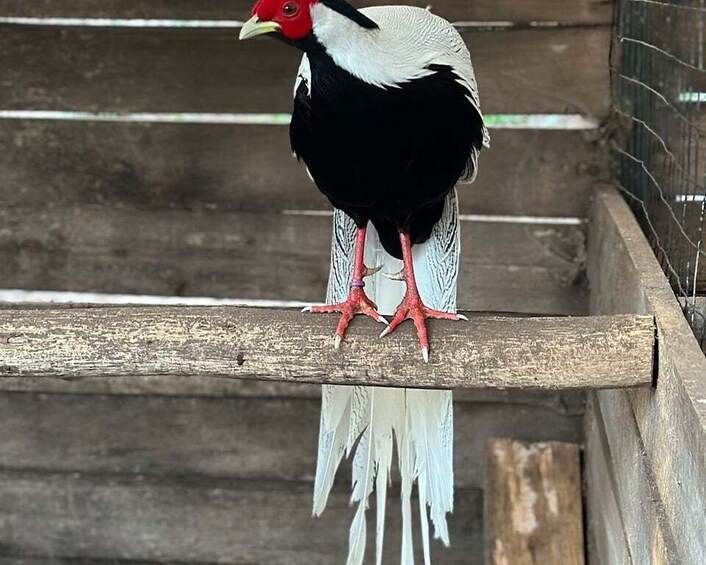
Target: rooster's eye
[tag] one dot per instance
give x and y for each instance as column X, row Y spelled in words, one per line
column 290, row 9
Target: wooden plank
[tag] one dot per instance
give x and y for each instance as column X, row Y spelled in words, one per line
column 532, row 504
column 265, row 438
column 649, row 535
column 198, row 520
column 564, row 403
column 539, row 70
column 607, row 540
column 574, row 12
column 531, row 268
column 489, row 352
column 248, row 168
column 670, row 419
column 12, row 560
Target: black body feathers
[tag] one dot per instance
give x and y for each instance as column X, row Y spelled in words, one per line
column 386, row 155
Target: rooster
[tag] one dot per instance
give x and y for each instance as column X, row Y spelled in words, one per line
column 387, row 120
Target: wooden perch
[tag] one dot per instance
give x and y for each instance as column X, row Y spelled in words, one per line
column 245, row 343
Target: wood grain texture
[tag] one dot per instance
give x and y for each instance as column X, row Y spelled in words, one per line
column 533, row 504
column 536, row 70
column 670, row 420
column 564, row 403
column 13, row 560
column 489, row 352
column 649, row 535
column 198, row 521
column 237, row 438
column 606, row 541
column 530, row 268
column 249, row 169
column 574, row 12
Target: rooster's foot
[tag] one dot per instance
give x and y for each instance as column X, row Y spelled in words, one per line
column 356, row 303
column 412, row 308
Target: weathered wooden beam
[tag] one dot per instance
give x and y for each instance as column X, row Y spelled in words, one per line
column 515, row 267
column 544, row 70
column 242, row 343
column 533, row 504
column 574, row 12
column 109, row 519
column 606, row 540
column 235, row 438
column 656, row 437
column 130, row 166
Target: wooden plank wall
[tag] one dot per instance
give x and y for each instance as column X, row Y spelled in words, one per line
column 144, row 207
column 650, row 444
column 209, row 473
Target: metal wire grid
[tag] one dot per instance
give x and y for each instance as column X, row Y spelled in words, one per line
column 659, row 91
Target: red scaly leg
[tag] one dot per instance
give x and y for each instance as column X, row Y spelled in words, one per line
column 357, row 301
column 412, row 307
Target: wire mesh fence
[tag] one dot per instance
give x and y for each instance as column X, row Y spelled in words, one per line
column 659, row 97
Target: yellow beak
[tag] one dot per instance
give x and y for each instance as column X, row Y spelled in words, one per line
column 254, row 27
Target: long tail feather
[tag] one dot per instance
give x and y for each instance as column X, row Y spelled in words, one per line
column 369, row 421
column 333, row 439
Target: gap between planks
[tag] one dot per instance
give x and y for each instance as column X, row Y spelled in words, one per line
column 280, row 345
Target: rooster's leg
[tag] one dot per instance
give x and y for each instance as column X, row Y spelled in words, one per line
column 357, row 301
column 412, row 307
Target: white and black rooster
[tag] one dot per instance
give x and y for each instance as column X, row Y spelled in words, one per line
column 387, row 120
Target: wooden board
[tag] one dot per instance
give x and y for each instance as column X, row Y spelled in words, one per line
column 606, row 537
column 649, row 535
column 249, row 168
column 574, row 12
column 12, row 560
column 564, row 403
column 533, row 504
column 198, row 520
column 253, row 438
column 245, row 343
column 670, row 420
column 535, row 70
column 531, row 268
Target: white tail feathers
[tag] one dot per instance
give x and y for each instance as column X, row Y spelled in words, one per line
column 372, row 420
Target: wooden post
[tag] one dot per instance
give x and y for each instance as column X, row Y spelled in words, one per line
column 533, row 504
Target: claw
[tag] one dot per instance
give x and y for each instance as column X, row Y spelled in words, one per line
column 337, row 342
column 412, row 308
column 383, row 321
column 398, row 276
column 306, row 309
column 462, row 317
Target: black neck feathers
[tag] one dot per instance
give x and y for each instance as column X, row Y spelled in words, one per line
column 345, row 9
